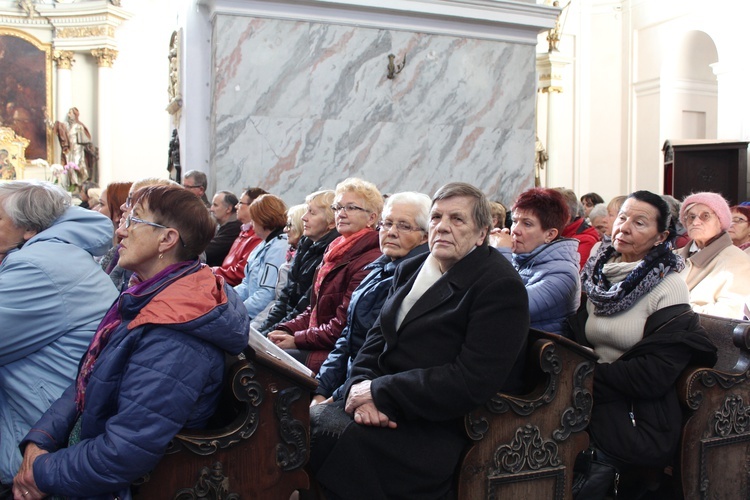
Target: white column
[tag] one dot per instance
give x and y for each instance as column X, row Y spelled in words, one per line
column 64, row 97
column 550, row 67
column 103, row 139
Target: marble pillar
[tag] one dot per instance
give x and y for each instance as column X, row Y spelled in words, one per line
column 298, row 106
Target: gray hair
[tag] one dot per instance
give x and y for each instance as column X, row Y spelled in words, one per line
column 230, row 200
column 33, row 205
column 481, row 213
column 419, row 200
column 599, row 210
column 198, row 176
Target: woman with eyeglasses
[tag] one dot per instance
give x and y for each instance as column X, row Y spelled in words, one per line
column 268, row 216
column 154, row 366
column 403, row 234
column 739, row 228
column 717, row 272
column 311, row 335
column 547, row 262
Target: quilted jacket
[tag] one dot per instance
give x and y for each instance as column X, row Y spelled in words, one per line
column 160, row 371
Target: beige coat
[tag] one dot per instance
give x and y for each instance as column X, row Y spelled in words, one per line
column 718, row 278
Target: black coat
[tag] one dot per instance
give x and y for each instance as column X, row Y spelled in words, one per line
column 295, row 296
column 455, row 349
column 642, row 382
column 219, row 246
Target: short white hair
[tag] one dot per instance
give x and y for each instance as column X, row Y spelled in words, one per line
column 599, row 210
column 421, row 201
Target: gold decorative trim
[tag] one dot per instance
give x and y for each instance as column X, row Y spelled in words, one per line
column 105, row 58
column 85, row 32
column 551, row 89
column 63, row 58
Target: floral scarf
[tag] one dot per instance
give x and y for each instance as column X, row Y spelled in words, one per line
column 333, row 255
column 609, row 298
column 109, row 324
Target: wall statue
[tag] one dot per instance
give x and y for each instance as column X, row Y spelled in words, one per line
column 77, row 148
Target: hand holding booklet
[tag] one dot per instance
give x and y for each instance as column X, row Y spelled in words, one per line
column 261, row 344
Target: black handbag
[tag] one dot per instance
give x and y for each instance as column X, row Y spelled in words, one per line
column 594, row 479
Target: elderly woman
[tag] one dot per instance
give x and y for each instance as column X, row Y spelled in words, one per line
column 52, row 296
column 155, row 365
column 718, row 273
column 638, row 320
column 293, row 230
column 257, row 289
column 448, row 338
column 739, row 228
column 312, row 335
column 403, row 234
column 318, row 230
column 547, row 263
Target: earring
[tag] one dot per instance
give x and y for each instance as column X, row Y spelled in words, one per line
column 161, row 256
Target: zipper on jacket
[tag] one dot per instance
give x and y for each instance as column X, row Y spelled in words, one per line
column 631, row 413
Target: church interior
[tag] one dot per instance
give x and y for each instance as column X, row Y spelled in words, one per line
column 295, row 96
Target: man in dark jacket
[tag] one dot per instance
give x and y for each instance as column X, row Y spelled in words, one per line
column 224, row 210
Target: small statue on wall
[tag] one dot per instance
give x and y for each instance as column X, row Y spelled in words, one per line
column 173, row 162
column 77, row 149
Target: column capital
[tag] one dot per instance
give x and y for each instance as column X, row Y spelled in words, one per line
column 105, row 58
column 550, row 68
column 63, row 59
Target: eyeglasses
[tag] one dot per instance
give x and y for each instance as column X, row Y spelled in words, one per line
column 703, row 216
column 243, row 203
column 128, row 201
column 192, row 187
column 347, row 208
column 386, row 225
column 738, row 220
column 131, row 219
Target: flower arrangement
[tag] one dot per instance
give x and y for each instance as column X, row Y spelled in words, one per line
column 65, row 175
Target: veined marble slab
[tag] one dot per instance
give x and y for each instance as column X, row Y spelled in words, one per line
column 300, row 106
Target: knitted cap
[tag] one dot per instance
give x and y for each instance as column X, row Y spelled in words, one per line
column 714, row 201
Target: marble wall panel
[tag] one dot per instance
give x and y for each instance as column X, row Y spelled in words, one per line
column 299, row 106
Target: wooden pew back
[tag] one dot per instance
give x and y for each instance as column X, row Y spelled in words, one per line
column 525, row 446
column 715, row 446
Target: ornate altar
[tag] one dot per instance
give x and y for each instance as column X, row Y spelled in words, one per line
column 12, row 155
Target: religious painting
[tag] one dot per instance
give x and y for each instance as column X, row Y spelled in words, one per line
column 26, row 90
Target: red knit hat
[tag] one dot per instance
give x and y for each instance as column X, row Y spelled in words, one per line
column 715, row 202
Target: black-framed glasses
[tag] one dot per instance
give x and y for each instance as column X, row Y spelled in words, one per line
column 387, row 225
column 348, row 208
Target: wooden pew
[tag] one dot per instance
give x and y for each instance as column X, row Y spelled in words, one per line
column 525, row 446
column 714, row 456
column 258, row 452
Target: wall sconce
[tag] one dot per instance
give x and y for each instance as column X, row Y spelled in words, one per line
column 393, row 68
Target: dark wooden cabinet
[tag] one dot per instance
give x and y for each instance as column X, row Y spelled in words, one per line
column 707, row 165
